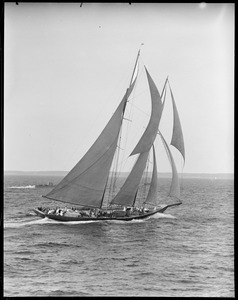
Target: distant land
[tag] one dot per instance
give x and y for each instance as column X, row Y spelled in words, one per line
column 164, row 175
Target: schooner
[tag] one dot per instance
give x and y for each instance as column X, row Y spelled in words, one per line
column 88, row 184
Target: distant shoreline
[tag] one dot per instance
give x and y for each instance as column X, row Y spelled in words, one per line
column 165, row 175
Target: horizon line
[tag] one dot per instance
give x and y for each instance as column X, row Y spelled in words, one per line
column 62, row 171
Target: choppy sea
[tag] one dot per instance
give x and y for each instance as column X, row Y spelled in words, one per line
column 186, row 252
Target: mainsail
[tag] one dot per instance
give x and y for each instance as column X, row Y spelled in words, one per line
column 85, row 184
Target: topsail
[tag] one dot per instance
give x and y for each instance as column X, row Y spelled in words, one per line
column 177, row 137
column 147, row 139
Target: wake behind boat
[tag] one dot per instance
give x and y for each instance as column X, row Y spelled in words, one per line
column 92, row 181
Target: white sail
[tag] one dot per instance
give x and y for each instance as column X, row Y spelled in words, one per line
column 148, row 137
column 175, row 186
column 127, row 193
column 177, row 137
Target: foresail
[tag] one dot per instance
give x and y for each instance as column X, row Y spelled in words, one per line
column 126, row 195
column 85, row 183
column 177, row 137
column 87, row 188
column 148, row 137
column 175, row 186
column 153, row 191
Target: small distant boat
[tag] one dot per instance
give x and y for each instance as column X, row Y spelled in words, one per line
column 50, row 184
column 86, row 185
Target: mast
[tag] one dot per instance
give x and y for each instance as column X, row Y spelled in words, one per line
column 85, row 184
column 128, row 92
column 138, row 54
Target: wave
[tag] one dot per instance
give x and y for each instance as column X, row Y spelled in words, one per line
column 26, row 223
column 22, row 187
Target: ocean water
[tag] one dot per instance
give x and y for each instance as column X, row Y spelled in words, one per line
column 186, row 252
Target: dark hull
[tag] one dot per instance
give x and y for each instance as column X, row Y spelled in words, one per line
column 102, row 218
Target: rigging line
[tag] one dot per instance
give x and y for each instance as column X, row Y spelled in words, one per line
column 144, row 181
column 145, row 113
column 127, row 126
column 114, row 168
column 133, row 77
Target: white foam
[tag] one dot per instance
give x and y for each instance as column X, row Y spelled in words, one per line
column 23, row 187
column 23, row 223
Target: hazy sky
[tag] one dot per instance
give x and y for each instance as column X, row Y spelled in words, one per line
column 67, row 68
